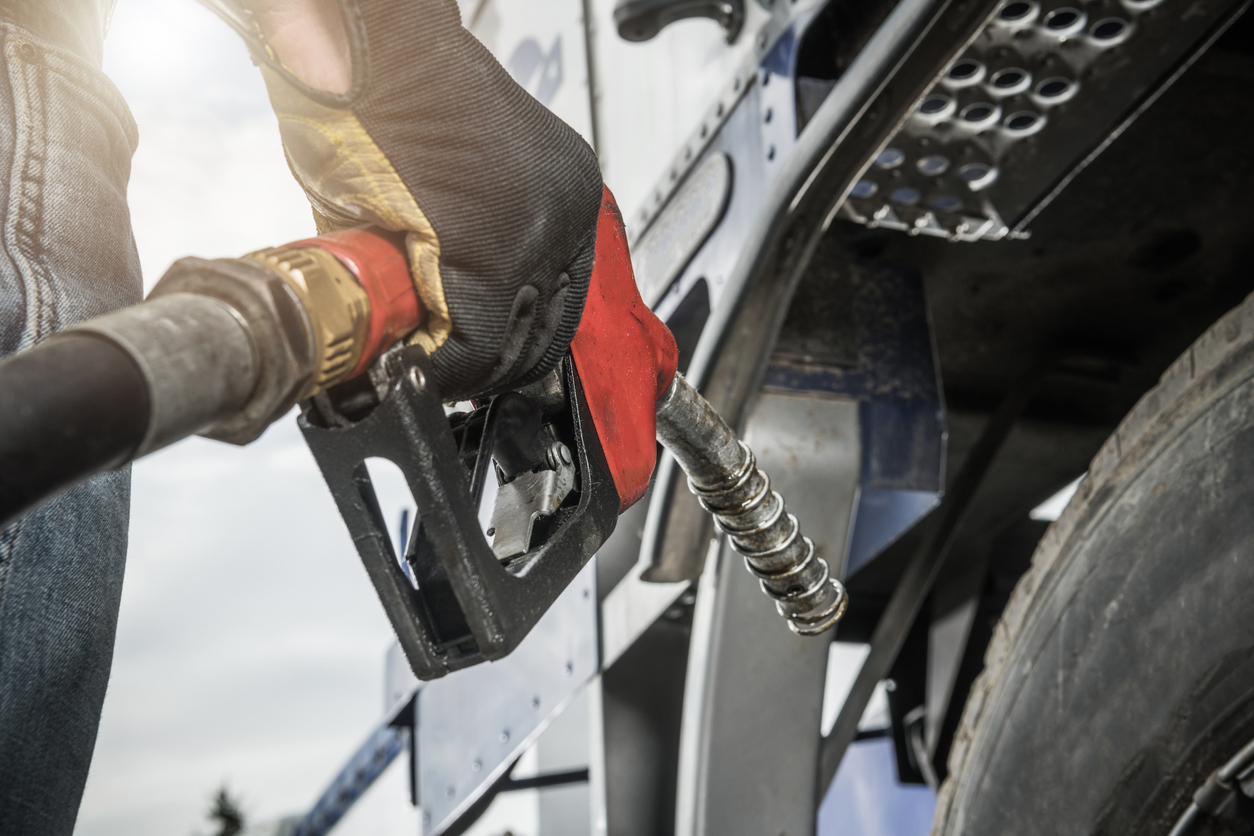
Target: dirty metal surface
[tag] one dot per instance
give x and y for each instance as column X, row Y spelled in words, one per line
column 889, row 370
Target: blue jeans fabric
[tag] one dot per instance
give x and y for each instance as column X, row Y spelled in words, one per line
column 66, row 254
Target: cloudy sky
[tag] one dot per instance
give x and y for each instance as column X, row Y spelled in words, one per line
column 250, row 644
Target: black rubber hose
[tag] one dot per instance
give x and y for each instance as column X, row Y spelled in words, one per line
column 69, row 408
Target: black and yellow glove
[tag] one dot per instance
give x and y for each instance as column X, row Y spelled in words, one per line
column 498, row 197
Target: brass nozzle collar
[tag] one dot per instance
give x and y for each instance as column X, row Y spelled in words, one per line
column 336, row 305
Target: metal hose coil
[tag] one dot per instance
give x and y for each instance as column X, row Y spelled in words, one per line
column 724, row 476
column 769, row 538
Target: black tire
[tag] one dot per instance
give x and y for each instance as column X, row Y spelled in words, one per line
column 1122, row 671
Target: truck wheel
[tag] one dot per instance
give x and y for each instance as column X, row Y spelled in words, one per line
column 1121, row 674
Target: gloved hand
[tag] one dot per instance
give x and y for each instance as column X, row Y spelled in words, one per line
column 428, row 134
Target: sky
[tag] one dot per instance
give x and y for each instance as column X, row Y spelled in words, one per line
column 250, row 643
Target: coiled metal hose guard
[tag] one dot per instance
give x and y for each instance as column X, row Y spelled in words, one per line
column 723, row 474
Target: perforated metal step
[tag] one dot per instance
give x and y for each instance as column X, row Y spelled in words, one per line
column 1041, row 90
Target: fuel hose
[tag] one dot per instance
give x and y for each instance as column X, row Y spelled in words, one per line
column 52, row 436
column 220, row 348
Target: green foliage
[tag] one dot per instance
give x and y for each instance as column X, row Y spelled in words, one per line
column 225, row 813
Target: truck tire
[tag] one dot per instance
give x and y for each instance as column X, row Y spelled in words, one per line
column 1121, row 673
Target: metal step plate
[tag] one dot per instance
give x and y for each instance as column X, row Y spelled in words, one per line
column 1041, row 90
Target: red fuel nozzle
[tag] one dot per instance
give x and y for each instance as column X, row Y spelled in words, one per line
column 625, row 357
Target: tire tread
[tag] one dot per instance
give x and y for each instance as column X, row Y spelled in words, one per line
column 1231, row 332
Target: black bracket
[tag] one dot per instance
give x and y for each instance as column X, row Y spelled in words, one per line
column 641, row 20
column 464, row 605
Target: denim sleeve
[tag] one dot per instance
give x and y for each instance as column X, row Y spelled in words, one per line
column 66, row 254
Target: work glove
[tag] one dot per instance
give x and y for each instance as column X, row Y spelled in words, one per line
column 498, row 198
